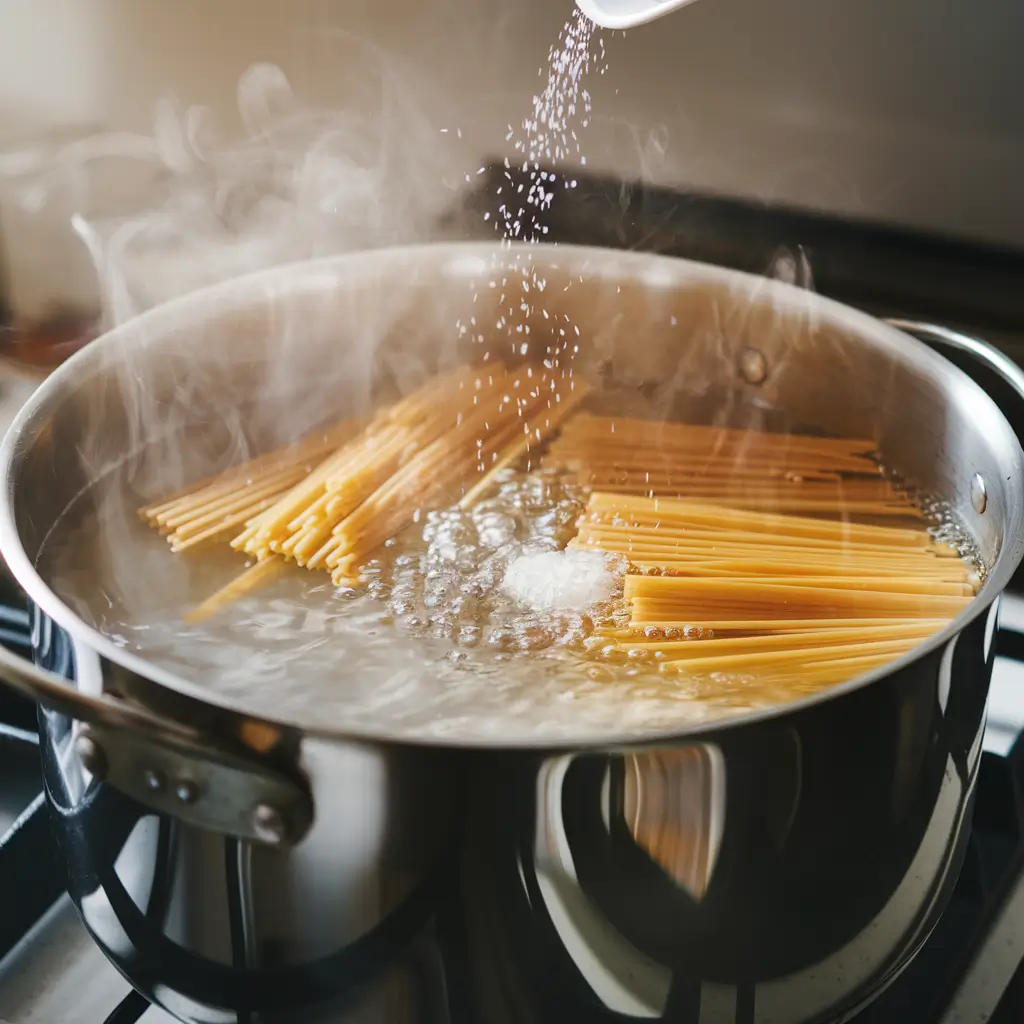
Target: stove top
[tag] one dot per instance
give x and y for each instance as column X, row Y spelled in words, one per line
column 885, row 270
column 971, row 968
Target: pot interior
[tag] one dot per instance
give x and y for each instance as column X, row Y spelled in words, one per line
column 195, row 386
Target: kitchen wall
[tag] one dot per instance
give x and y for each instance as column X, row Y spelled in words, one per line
column 908, row 110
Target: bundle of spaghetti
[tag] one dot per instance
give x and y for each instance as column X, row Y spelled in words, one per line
column 715, row 590
column 411, row 457
column 295, row 525
column 330, row 501
column 696, row 443
column 484, row 441
column 742, row 469
column 684, row 516
column 210, row 509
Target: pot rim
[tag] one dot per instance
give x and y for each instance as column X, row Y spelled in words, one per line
column 240, row 291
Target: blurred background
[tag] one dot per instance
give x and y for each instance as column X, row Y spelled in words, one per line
column 899, row 109
column 908, row 112
column 904, row 112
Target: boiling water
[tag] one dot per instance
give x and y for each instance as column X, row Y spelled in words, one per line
column 431, row 644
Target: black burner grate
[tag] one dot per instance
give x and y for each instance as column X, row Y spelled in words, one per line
column 129, row 1010
column 29, row 877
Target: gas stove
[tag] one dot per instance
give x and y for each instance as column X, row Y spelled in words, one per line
column 971, row 968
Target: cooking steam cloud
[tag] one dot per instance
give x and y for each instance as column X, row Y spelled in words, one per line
column 300, row 183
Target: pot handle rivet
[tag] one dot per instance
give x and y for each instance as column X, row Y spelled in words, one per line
column 979, row 495
column 172, row 768
column 186, row 791
column 269, row 825
column 92, row 755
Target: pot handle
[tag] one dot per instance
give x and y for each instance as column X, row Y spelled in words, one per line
column 169, row 767
column 991, row 369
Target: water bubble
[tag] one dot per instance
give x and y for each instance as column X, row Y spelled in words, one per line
column 411, row 624
column 469, row 636
column 753, row 366
column 531, row 636
column 496, row 530
column 500, row 638
column 441, row 627
column 473, row 588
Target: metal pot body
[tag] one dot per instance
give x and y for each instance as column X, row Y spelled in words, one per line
column 784, row 871
column 240, row 862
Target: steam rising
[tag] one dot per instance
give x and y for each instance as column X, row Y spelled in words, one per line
column 299, row 183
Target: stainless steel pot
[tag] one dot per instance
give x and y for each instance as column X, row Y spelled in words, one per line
column 242, row 865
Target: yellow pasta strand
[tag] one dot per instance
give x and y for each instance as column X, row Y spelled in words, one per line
column 789, row 559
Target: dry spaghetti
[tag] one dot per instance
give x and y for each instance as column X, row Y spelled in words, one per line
column 213, row 508
column 717, row 592
column 790, row 561
column 411, row 458
column 329, row 502
column 742, row 469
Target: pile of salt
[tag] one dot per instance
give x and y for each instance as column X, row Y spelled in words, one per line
column 561, row 580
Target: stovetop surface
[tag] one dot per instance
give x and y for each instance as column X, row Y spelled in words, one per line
column 885, row 270
column 972, row 967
